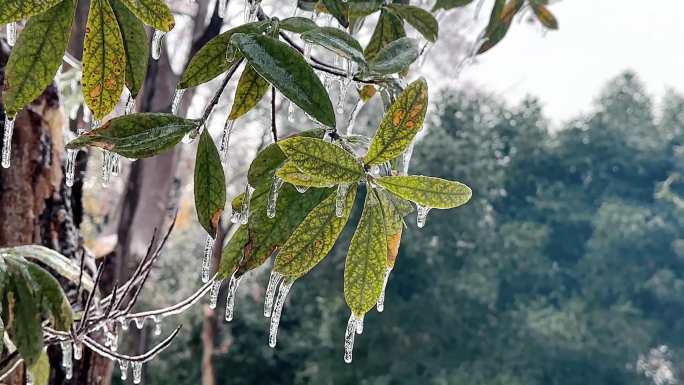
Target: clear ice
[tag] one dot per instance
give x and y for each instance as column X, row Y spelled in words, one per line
column 7, row 142
column 285, row 287
column 206, row 261
column 273, row 282
column 273, row 197
column 157, row 44
column 230, row 299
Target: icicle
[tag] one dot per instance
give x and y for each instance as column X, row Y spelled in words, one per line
column 251, row 11
column 235, row 217
column 341, row 199
column 137, row 372
column 406, row 160
column 349, row 338
column 206, row 261
column 124, row 323
column 157, row 325
column 230, row 299
column 422, row 215
column 70, row 166
column 277, row 310
column 11, row 34
column 359, row 325
column 67, row 362
column 307, row 51
column 273, row 197
column 225, row 140
column 177, row 97
column 78, row 350
column 130, row 105
column 478, row 9
column 29, row 378
column 291, row 112
column 273, row 282
column 7, row 142
column 213, row 294
column 244, row 215
column 157, row 44
column 301, row 189
column 139, row 322
column 381, row 300
column 106, row 168
column 115, row 164
column 123, row 366
column 222, row 5
column 113, row 341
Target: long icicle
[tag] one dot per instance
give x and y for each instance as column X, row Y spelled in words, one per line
column 244, row 215
column 273, row 282
column 273, row 196
column 11, row 33
column 230, row 298
column 70, row 166
column 285, row 287
column 123, row 367
column 157, row 44
column 206, row 261
column 349, row 338
column 213, row 295
column 137, row 372
column 7, row 142
column 67, row 360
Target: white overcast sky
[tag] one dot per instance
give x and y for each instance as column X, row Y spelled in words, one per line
column 597, row 40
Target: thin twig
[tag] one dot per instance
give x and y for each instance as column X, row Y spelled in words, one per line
column 274, row 130
column 217, row 95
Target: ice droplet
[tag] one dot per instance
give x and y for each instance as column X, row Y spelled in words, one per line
column 349, row 338
column 70, row 166
column 359, row 325
column 67, row 362
column 244, row 215
column 251, row 11
column 124, row 323
column 273, row 197
column 301, row 189
column 11, row 34
column 273, row 282
column 113, row 339
column 78, row 350
column 157, row 325
column 213, row 294
column 381, row 300
column 137, row 372
column 285, row 287
column 7, row 142
column 177, row 97
column 29, row 378
column 230, row 299
column 139, row 322
column 123, row 367
column 130, row 105
column 222, row 5
column 422, row 215
column 157, row 44
column 206, row 261
column 341, row 199
column 291, row 112
column 225, row 140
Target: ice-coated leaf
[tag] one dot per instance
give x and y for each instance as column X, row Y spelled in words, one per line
column 297, row 24
column 322, row 160
column 285, row 68
column 336, row 40
column 545, row 16
column 395, row 56
column 216, row 57
column 427, row 191
column 364, row 269
column 41, row 370
column 137, row 136
column 104, row 60
column 292, row 175
column 314, row 237
column 250, row 89
column 37, row 56
column 135, row 46
column 388, row 29
column 401, row 123
column 52, row 300
column 154, row 13
column 339, row 9
column 232, row 253
column 15, row 10
column 420, row 19
column 210, row 184
column 449, row 4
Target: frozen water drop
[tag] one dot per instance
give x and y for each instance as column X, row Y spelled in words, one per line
column 244, row 215
column 359, row 325
column 225, row 139
column 137, row 372
column 177, row 98
column 130, row 105
column 214, row 293
column 230, row 299
column 291, row 112
column 302, row 189
column 349, row 338
column 123, row 367
column 67, row 359
column 11, row 34
column 157, row 44
column 352, row 117
column 29, row 378
column 405, row 160
column 139, row 322
column 78, row 350
column 381, row 300
column 273, row 197
column 285, row 287
column 70, row 166
column 271, row 288
column 421, row 216
column 124, row 323
column 157, row 325
column 206, row 261
column 7, row 142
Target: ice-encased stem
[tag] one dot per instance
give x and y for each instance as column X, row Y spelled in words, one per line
column 285, row 287
column 244, row 215
column 225, row 139
column 214, row 293
column 341, row 199
column 70, row 166
column 273, row 282
column 421, row 215
column 123, row 367
column 273, row 197
column 11, row 30
column 206, row 261
column 381, row 299
column 137, row 372
column 7, row 142
column 177, row 97
column 230, row 298
column 67, row 359
column 349, row 334
column 157, row 44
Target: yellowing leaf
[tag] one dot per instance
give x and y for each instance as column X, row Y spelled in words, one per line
column 292, row 175
column 427, row 191
column 15, row 10
column 401, row 123
column 250, row 89
column 154, row 13
column 364, row 269
column 104, row 60
column 545, row 16
column 209, row 184
column 325, row 161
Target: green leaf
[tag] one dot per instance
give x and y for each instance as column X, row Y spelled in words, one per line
column 388, row 29
column 210, row 184
column 396, row 56
column 314, row 237
column 499, row 23
column 37, row 56
column 233, row 253
column 339, row 10
column 545, row 16
column 420, row 19
column 401, row 123
column 450, row 4
column 322, row 160
column 41, row 370
column 427, row 191
column 135, row 46
column 212, row 59
column 250, row 89
column 394, row 209
column 337, row 41
column 104, row 60
column 138, row 135
column 285, row 68
column 361, row 9
column 297, row 24
column 364, row 269
column 292, row 175
column 51, row 298
column 15, row 10
column 154, row 13
column 24, row 329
